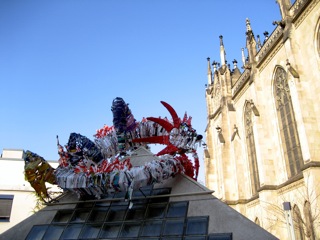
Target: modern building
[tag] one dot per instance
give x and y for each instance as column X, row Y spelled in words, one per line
column 178, row 208
column 17, row 198
column 263, row 130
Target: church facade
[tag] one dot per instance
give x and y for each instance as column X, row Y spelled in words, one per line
column 263, row 125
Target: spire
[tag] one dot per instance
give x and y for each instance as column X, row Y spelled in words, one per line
column 251, row 42
column 222, row 51
column 209, row 72
column 214, row 64
column 234, row 64
column 235, row 71
column 284, row 7
column 259, row 42
column 248, row 25
column 249, row 31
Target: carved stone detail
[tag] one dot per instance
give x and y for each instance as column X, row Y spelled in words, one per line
column 282, row 87
column 269, row 44
column 244, row 78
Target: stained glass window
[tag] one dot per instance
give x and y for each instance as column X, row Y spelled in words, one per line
column 251, row 147
column 287, row 124
column 257, row 221
column 309, row 222
column 298, row 223
column 318, row 39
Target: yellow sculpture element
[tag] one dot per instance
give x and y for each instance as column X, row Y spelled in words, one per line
column 37, row 172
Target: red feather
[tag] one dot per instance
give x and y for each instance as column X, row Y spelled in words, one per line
column 175, row 118
column 170, row 149
column 155, row 139
column 165, row 124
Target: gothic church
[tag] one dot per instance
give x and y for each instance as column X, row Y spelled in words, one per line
column 263, row 125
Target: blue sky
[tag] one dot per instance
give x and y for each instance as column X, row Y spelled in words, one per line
column 63, row 62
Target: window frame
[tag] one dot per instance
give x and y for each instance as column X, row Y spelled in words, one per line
column 6, row 201
column 251, row 149
column 289, row 137
column 158, row 226
column 298, row 223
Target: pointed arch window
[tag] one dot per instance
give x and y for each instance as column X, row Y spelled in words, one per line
column 217, row 93
column 309, row 220
column 252, row 156
column 318, row 37
column 257, row 221
column 298, row 223
column 287, row 124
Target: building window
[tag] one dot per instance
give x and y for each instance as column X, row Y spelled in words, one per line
column 318, row 38
column 257, row 221
column 5, row 207
column 298, row 223
column 154, row 218
column 309, row 220
column 220, row 236
column 287, row 124
column 252, row 156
